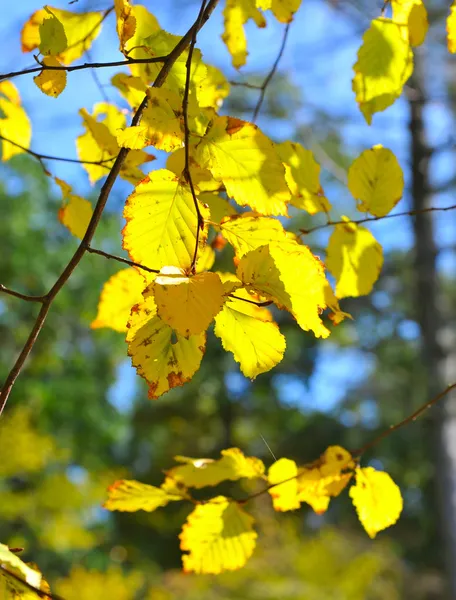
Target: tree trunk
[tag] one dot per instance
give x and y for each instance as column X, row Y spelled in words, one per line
column 436, row 332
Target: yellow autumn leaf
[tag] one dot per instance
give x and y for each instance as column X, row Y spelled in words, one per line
column 218, row 536
column 248, row 231
column 202, row 472
column 53, row 39
column 200, row 177
column 130, row 495
column 292, row 277
column 75, row 214
column 214, row 90
column 162, row 222
column 285, row 495
column 14, row 124
column 162, row 357
column 283, row 10
column 377, row 500
column 236, row 14
column 133, row 89
column 126, row 23
column 80, row 30
column 206, row 259
column 99, row 144
column 11, row 587
column 412, row 16
column 451, row 29
column 122, row 291
column 385, row 62
column 354, row 258
column 302, row 174
column 188, row 304
column 376, row 181
column 326, row 478
column 51, row 82
column 246, row 161
column 249, row 332
column 219, row 207
column 160, row 124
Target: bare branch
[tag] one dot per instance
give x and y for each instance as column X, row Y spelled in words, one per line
column 405, row 213
column 120, row 259
column 271, row 73
column 266, row 303
column 188, row 177
column 41, row 157
column 25, row 297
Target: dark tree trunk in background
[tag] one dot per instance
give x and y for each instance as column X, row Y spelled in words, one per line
column 438, row 348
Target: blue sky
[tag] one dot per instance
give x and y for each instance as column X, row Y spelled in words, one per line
column 319, row 56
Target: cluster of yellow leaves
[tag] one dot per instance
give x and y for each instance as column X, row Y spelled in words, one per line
column 238, row 12
column 61, row 37
column 14, row 123
column 218, row 535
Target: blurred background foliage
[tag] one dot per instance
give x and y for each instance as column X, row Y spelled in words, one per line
column 79, row 417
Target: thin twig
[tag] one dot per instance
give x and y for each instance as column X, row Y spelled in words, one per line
column 120, row 259
column 98, row 211
column 93, row 65
column 96, row 80
column 405, row 421
column 25, row 297
column 246, row 84
column 405, row 213
column 357, row 453
column 271, row 73
column 29, row 586
column 41, row 157
column 266, row 303
column 188, row 177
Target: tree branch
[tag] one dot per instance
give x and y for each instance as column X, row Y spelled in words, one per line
column 405, row 213
column 266, row 303
column 357, row 453
column 41, row 157
column 188, row 177
column 271, row 73
column 98, row 210
column 120, row 259
column 25, row 297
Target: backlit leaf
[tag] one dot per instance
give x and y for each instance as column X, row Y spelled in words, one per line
column 162, row 222
column 326, row 478
column 99, row 144
column 10, row 587
column 219, row 207
column 53, row 39
column 75, row 214
column 80, row 31
column 283, row 10
column 133, row 89
column 200, row 177
column 202, row 472
column 451, row 29
column 122, row 291
column 248, row 231
column 130, row 496
column 236, row 14
column 162, row 357
column 355, row 258
column 125, row 21
column 51, row 82
column 385, row 62
column 412, row 15
column 218, row 536
column 160, row 125
column 14, row 124
column 188, row 304
column 292, row 277
column 377, row 500
column 249, row 332
column 302, row 174
column 284, row 496
column 246, row 161
column 376, row 181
